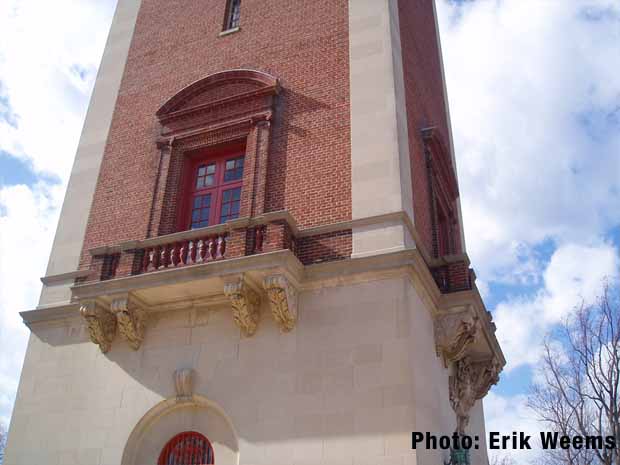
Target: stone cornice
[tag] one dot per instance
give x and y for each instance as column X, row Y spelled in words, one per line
column 403, row 263
column 265, row 261
column 463, row 327
column 50, row 280
column 50, row 313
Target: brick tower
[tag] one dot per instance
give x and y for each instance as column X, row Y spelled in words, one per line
column 260, row 256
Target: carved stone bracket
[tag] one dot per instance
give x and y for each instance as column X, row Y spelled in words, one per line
column 470, row 382
column 184, row 383
column 101, row 324
column 455, row 331
column 245, row 304
column 283, row 301
column 131, row 319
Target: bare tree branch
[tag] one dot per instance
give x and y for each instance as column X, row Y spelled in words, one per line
column 581, row 372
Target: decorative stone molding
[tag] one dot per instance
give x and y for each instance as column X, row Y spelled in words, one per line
column 470, row 382
column 184, row 383
column 245, row 304
column 131, row 319
column 283, row 301
column 101, row 324
column 455, row 331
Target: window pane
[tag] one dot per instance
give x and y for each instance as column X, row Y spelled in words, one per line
column 234, row 169
column 233, row 14
column 209, row 180
column 195, row 215
column 206, row 200
column 211, row 168
column 230, row 204
column 200, row 183
column 204, row 215
column 202, row 170
column 197, row 201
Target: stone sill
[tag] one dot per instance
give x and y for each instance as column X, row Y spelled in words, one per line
column 228, row 32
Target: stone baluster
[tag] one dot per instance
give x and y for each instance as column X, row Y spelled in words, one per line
column 176, row 254
column 221, row 246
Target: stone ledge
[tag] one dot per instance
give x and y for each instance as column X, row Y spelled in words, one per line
column 50, row 280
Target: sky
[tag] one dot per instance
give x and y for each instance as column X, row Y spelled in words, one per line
column 534, row 94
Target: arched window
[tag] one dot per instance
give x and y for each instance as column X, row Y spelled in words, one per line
column 189, row 448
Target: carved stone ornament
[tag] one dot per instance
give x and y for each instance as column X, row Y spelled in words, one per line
column 184, row 383
column 283, row 301
column 131, row 319
column 454, row 333
column 101, row 324
column 245, row 305
column 470, row 382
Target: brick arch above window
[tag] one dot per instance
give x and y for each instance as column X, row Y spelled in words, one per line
column 219, row 97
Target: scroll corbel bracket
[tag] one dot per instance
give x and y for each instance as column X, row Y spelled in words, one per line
column 100, row 322
column 454, row 333
column 131, row 318
column 282, row 300
column 245, row 303
column 469, row 382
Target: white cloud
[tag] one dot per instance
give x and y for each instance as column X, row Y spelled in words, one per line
column 26, row 231
column 505, row 414
column 49, row 54
column 535, row 104
column 574, row 273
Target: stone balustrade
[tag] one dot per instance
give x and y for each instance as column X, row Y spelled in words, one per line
column 183, row 253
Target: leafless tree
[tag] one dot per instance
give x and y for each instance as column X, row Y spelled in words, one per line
column 502, row 460
column 581, row 371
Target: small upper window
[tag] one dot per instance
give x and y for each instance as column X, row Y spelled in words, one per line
column 233, row 15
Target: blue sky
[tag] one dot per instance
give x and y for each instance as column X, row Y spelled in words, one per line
column 535, row 105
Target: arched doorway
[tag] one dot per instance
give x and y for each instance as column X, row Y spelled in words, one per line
column 197, row 426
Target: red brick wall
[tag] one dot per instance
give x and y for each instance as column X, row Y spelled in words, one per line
column 425, row 98
column 303, row 43
column 324, row 247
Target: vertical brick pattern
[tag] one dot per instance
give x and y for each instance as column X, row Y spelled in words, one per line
column 304, row 44
column 425, row 100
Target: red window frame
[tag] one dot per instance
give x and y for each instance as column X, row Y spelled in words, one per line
column 219, row 158
column 188, row 448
